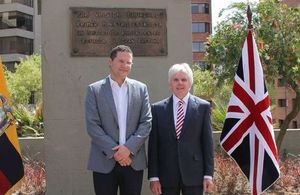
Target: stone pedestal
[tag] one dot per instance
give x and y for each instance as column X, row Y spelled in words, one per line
column 66, row 76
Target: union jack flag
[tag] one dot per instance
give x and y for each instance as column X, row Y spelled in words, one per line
column 247, row 134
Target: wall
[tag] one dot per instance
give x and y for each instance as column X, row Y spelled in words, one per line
column 290, row 144
column 33, row 147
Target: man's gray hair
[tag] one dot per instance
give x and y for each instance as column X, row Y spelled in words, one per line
column 183, row 67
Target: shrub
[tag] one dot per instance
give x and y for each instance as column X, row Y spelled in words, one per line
column 290, row 175
column 34, row 182
column 228, row 177
column 29, row 120
column 25, row 88
column 26, row 80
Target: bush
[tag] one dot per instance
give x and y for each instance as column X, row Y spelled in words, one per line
column 34, row 182
column 26, row 80
column 29, row 120
column 25, row 88
column 229, row 179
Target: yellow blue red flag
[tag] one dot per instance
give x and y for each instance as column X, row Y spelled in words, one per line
column 11, row 166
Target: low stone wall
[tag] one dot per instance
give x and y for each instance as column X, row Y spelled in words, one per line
column 34, row 146
column 290, row 144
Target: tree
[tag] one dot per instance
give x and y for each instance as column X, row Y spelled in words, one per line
column 277, row 31
column 22, row 84
column 204, row 83
column 205, row 86
column 25, row 80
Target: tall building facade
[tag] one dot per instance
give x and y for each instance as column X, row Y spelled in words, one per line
column 20, row 30
column 285, row 97
column 201, row 29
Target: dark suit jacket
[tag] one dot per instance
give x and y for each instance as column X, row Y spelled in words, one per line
column 192, row 155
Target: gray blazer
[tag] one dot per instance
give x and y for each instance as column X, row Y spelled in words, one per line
column 102, row 124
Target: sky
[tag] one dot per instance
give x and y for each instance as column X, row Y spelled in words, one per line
column 217, row 5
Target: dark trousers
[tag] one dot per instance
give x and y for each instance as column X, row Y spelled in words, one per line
column 180, row 187
column 186, row 190
column 126, row 179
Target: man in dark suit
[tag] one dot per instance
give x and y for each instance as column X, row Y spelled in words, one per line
column 180, row 143
column 118, row 120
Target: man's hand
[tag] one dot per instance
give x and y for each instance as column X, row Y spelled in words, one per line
column 155, row 187
column 125, row 162
column 122, row 155
column 208, row 185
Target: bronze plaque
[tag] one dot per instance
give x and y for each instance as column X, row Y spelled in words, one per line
column 95, row 31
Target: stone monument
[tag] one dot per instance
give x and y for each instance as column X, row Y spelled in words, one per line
column 76, row 39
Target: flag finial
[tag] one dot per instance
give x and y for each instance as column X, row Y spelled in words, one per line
column 249, row 16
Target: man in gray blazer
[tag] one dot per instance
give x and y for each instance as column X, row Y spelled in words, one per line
column 118, row 120
column 180, row 143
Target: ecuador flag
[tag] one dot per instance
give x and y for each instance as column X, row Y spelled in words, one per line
column 11, row 166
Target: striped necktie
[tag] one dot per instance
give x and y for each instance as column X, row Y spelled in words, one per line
column 179, row 118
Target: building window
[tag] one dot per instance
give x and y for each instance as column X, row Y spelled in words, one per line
column 281, row 83
column 294, row 125
column 39, row 6
column 11, row 65
column 294, row 102
column 24, row 2
column 16, row 19
column 201, row 64
column 19, row 45
column 198, row 46
column 200, row 8
column 200, row 27
column 282, row 102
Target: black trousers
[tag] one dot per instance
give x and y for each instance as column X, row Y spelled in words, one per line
column 126, row 179
column 186, row 190
column 180, row 187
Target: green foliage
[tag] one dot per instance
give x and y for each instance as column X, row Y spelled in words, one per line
column 279, row 32
column 205, row 86
column 220, row 103
column 21, row 83
column 224, row 47
column 218, row 114
column 29, row 120
column 276, row 29
column 204, row 83
column 26, row 79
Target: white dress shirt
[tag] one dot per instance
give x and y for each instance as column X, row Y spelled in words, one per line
column 176, row 105
column 121, row 102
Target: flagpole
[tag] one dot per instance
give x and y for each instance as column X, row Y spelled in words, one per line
column 247, row 134
column 249, row 16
